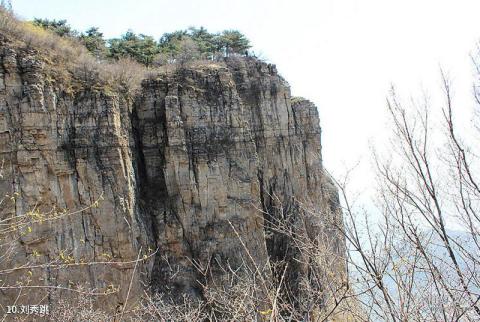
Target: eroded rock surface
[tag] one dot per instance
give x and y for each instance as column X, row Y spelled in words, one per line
column 195, row 166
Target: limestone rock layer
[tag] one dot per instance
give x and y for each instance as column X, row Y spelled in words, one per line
column 187, row 175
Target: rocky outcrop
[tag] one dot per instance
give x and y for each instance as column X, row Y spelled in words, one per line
column 188, row 175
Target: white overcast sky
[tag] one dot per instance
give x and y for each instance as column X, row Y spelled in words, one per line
column 341, row 54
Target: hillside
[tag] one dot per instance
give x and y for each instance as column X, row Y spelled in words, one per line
column 123, row 181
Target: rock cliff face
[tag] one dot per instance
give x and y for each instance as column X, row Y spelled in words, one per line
column 188, row 175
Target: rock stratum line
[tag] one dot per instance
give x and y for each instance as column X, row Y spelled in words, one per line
column 193, row 169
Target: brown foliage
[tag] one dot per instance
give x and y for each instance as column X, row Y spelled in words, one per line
column 68, row 54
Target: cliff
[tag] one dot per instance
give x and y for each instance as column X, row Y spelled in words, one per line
column 166, row 189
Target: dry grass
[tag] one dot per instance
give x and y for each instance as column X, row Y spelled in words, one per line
column 70, row 61
column 70, row 55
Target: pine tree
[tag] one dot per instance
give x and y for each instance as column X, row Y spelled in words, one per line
column 93, row 40
column 60, row 27
column 233, row 42
column 141, row 48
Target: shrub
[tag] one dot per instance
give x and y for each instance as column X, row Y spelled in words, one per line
column 71, row 55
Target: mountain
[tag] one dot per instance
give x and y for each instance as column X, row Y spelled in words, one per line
column 164, row 187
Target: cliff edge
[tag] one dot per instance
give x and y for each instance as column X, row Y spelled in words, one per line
column 167, row 189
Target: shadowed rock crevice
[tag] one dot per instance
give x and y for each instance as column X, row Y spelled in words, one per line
column 197, row 166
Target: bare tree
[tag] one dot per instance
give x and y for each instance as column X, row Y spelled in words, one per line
column 419, row 259
column 7, row 5
column 24, row 275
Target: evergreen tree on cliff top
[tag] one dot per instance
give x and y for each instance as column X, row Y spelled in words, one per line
column 233, row 42
column 178, row 46
column 94, row 41
column 141, row 48
column 60, row 27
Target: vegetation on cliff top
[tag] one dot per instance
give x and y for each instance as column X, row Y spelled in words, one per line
column 405, row 266
column 181, row 45
column 120, row 63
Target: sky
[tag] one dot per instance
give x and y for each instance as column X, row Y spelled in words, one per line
column 343, row 55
